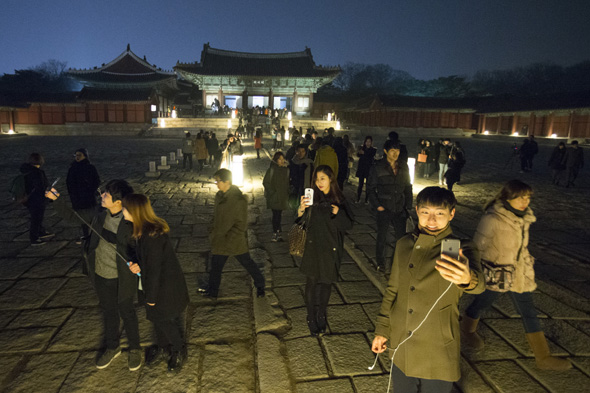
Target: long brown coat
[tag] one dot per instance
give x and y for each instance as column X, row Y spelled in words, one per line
column 230, row 223
column 200, row 147
column 433, row 352
column 503, row 238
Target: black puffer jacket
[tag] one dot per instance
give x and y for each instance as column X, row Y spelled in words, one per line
column 82, row 182
column 36, row 184
column 393, row 192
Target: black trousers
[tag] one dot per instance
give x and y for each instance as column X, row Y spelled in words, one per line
column 405, row 384
column 188, row 156
column 276, row 220
column 384, row 219
column 37, row 211
column 317, row 297
column 217, row 263
column 107, row 291
column 359, row 190
column 169, row 333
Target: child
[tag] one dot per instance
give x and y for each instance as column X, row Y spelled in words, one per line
column 419, row 276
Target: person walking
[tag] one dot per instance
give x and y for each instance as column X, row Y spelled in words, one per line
column 342, row 156
column 106, row 259
column 366, row 154
column 258, row 141
column 213, row 150
column 229, row 235
column 325, row 155
column 82, row 183
column 556, row 163
column 502, row 237
column 163, row 282
column 456, row 164
column 276, row 192
column 390, row 195
column 444, row 153
column 36, row 185
column 573, row 161
column 187, row 151
column 200, row 147
column 300, row 171
column 328, row 217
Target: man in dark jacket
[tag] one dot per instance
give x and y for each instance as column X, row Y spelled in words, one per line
column 301, row 171
column 390, row 194
column 573, row 161
column 106, row 261
column 444, row 151
column 35, row 186
column 229, row 235
column 82, row 183
column 403, row 151
column 342, row 156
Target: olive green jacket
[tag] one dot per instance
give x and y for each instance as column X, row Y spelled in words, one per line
column 433, row 352
column 230, row 223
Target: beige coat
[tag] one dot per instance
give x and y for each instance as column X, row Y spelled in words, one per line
column 433, row 352
column 201, row 149
column 503, row 238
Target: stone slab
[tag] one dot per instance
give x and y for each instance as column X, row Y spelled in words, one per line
column 11, row 249
column 349, row 354
column 273, row 371
column 471, row 381
column 563, row 334
column 4, row 285
column 192, row 262
column 496, row 347
column 82, row 331
column 342, row 385
column 40, row 318
column 372, row 310
column 48, row 250
column 157, row 379
column 306, row 359
column 351, row 272
column 371, row 384
column 210, row 323
column 28, row 340
column 6, row 317
column 29, row 293
column 582, row 363
column 287, row 276
column 512, row 331
column 228, row 368
column 298, row 317
column 290, row 297
column 506, row 376
column 359, row 292
column 282, row 260
column 348, row 318
column 570, row 381
column 77, row 292
column 84, row 376
column 13, row 268
column 556, row 309
column 8, row 366
column 188, row 244
column 47, row 371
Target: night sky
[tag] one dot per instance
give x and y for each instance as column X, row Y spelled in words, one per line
column 428, row 39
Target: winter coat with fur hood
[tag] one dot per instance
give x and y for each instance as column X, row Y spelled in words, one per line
column 503, row 238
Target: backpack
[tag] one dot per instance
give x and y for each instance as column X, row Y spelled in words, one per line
column 17, row 189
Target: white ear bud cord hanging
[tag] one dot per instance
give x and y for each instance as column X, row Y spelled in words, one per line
column 410, row 336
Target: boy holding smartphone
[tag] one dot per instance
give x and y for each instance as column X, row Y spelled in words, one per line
column 430, row 359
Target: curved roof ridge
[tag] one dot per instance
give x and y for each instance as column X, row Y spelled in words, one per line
column 303, row 53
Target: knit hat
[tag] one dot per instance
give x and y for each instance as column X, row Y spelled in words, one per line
column 83, row 151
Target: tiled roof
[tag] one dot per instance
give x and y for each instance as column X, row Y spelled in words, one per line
column 129, row 95
column 222, row 62
column 126, row 68
column 522, row 104
column 23, row 99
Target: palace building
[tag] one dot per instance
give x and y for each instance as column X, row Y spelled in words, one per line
column 272, row 80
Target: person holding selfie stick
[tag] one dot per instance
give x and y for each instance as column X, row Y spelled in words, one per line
column 502, row 237
column 328, row 218
column 420, row 304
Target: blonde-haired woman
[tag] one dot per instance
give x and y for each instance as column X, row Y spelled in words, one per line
column 163, row 282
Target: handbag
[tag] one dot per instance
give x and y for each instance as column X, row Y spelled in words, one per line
column 498, row 278
column 422, row 157
column 298, row 235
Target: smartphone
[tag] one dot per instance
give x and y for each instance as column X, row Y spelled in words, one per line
column 309, row 196
column 450, row 247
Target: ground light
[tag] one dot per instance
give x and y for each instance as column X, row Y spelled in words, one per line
column 290, row 124
column 173, row 114
column 287, row 134
column 411, row 165
column 515, row 134
column 329, row 117
column 233, row 114
column 237, row 170
column 11, row 131
column 289, row 116
column 229, row 124
column 553, row 135
column 486, row 132
column 338, row 125
column 162, row 123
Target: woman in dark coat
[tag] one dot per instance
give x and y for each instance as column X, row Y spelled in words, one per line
column 556, row 162
column 82, row 182
column 35, row 186
column 162, row 279
column 366, row 154
column 328, row 218
column 276, row 191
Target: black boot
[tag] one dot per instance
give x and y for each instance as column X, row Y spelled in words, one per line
column 312, row 325
column 322, row 321
column 154, row 355
column 176, row 361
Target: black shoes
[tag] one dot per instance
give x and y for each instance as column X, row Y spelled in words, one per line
column 37, row 242
column 176, row 361
column 313, row 326
column 46, row 236
column 155, row 355
column 207, row 292
column 260, row 292
column 322, row 323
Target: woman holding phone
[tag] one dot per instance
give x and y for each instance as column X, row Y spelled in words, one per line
column 502, row 238
column 328, row 217
column 162, row 279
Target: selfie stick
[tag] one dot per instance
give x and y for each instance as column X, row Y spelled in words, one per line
column 97, row 234
column 410, row 336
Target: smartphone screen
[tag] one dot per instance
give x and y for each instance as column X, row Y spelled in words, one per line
column 450, row 247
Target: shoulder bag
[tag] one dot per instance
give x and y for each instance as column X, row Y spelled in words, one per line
column 498, row 278
column 298, row 235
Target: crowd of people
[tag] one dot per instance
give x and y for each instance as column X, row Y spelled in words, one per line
column 127, row 247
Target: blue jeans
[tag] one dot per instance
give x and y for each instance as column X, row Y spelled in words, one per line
column 522, row 301
column 441, row 171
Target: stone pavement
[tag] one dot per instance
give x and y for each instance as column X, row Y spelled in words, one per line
column 50, row 324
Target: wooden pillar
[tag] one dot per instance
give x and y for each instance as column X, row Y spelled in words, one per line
column 204, row 99
column 514, row 123
column 11, row 120
column 551, row 119
column 294, row 103
column 532, row 120
column 499, row 125
column 220, row 96
column 570, row 123
column 482, row 122
column 271, row 100
column 311, row 103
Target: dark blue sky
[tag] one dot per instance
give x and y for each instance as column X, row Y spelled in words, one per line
column 428, row 38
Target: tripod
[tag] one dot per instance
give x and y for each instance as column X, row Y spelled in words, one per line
column 514, row 156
